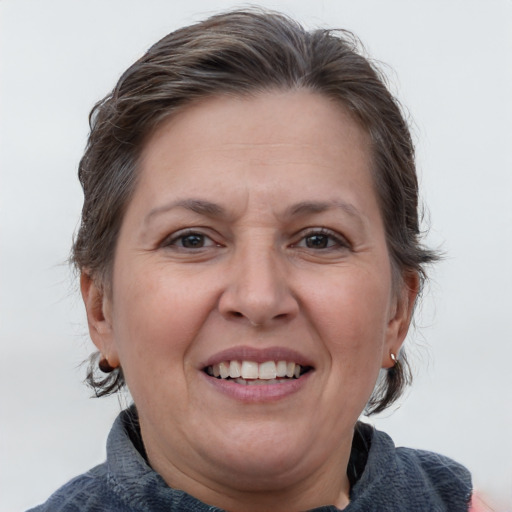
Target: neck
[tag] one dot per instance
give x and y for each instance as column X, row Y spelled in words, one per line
column 291, row 490
column 296, row 498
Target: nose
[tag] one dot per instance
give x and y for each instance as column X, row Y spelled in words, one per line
column 258, row 289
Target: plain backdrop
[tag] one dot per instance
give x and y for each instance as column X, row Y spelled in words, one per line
column 449, row 62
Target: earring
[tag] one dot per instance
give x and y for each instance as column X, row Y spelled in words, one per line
column 393, row 358
column 104, row 365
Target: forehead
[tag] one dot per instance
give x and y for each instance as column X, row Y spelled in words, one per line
column 298, row 110
column 298, row 130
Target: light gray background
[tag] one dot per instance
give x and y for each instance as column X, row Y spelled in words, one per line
column 451, row 62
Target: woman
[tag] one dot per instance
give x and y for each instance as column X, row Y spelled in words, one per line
column 250, row 260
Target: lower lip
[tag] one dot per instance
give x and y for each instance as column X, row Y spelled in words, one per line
column 258, row 393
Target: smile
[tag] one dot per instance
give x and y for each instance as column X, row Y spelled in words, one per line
column 254, row 373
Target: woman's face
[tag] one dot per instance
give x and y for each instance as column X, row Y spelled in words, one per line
column 253, row 246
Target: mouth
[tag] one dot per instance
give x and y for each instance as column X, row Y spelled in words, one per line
column 250, row 373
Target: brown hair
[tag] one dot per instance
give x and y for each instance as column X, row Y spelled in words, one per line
column 243, row 52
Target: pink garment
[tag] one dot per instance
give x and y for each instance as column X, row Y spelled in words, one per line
column 477, row 505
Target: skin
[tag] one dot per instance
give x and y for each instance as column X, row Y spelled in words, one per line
column 288, row 252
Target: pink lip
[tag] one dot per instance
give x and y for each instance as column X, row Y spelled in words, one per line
column 258, row 355
column 262, row 393
column 254, row 394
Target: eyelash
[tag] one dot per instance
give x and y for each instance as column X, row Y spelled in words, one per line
column 175, row 238
column 338, row 240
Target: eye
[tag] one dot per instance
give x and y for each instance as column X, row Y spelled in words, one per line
column 189, row 240
column 318, row 239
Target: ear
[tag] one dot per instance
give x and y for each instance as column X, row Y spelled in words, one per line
column 401, row 316
column 99, row 318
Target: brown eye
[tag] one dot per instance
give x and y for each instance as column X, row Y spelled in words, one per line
column 189, row 240
column 318, row 241
column 322, row 239
column 192, row 241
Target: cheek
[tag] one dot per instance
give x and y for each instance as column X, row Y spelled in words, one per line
column 352, row 318
column 156, row 318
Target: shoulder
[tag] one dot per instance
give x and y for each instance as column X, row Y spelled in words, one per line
column 85, row 493
column 404, row 479
column 124, row 483
column 444, row 475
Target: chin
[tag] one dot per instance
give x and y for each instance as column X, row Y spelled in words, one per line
column 263, row 453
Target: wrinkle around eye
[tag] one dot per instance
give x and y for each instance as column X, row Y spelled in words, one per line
column 335, row 248
column 325, row 240
column 189, row 241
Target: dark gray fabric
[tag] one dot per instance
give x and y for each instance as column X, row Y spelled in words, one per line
column 393, row 480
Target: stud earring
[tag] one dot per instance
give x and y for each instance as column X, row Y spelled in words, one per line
column 393, row 358
column 104, row 365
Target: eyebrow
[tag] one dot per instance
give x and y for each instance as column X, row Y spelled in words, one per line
column 199, row 206
column 209, row 209
column 312, row 207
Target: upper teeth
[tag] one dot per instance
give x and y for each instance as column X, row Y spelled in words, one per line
column 251, row 370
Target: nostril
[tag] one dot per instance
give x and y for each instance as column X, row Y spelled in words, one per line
column 239, row 315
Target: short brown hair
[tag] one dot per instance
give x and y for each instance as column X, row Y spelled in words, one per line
column 243, row 52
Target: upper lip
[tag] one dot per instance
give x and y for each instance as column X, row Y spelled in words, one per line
column 258, row 355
